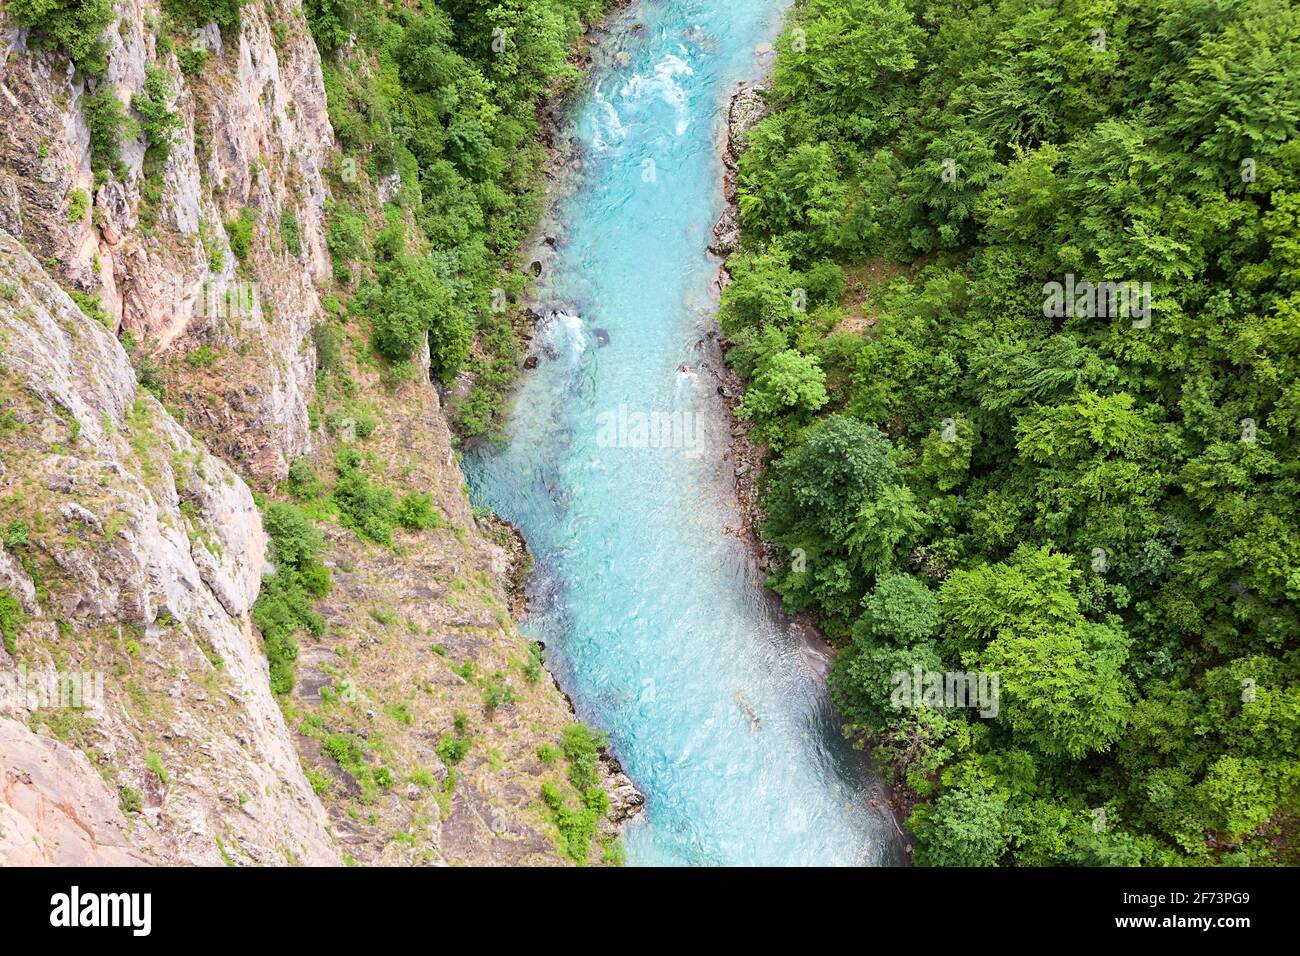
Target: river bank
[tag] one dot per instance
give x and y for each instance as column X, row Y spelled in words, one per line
column 746, row 107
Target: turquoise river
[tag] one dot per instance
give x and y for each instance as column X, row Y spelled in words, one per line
column 650, row 605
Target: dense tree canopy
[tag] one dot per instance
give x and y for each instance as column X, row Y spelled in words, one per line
column 439, row 100
column 1100, row 503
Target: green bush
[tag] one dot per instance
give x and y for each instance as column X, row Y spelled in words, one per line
column 284, row 606
column 367, row 509
column 414, row 306
column 415, row 512
column 92, row 306
column 78, row 205
column 331, row 22
column 239, row 232
column 346, row 235
column 291, row 232
column 193, row 57
column 12, row 620
column 108, row 122
column 582, row 750
column 349, row 752
column 329, row 347
column 155, row 764
column 203, row 356
column 224, row 13
column 129, row 799
column 72, row 26
column 575, row 826
column 158, row 122
column 303, row 481
column 17, row 534
column 453, row 747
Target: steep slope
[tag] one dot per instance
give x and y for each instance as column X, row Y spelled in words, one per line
column 156, row 245
column 136, row 555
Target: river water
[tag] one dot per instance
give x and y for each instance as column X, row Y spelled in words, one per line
column 653, row 615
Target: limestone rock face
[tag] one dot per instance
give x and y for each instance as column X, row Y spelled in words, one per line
column 156, row 246
column 54, row 809
column 747, row 107
column 141, row 562
column 139, row 552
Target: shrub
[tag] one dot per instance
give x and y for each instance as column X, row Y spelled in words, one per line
column 291, row 232
column 452, row 748
column 581, row 748
column 534, row 664
column 575, row 827
column 72, row 26
column 224, row 13
column 204, row 356
column 107, row 122
column 283, row 609
column 239, row 232
column 496, row 691
column 331, row 22
column 367, row 509
column 347, row 232
column 303, row 482
column 415, row 512
column 155, row 764
column 129, row 799
column 158, row 122
column 92, row 306
column 78, row 205
column 295, row 540
column 348, row 751
column 320, row 783
column 422, row 778
column 329, row 350
column 17, row 533
column 414, row 305
column 192, row 58
column 12, row 620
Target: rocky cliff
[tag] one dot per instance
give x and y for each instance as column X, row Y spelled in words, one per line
column 135, row 554
column 155, row 366
column 155, row 247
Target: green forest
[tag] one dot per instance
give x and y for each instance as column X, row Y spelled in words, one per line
column 1098, row 505
column 444, row 99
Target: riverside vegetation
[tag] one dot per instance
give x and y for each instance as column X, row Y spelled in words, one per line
column 1099, row 508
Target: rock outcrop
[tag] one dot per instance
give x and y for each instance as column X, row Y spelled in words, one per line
column 136, row 556
column 155, row 247
column 744, row 110
column 54, row 808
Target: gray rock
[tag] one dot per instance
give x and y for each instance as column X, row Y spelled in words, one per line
column 187, row 579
